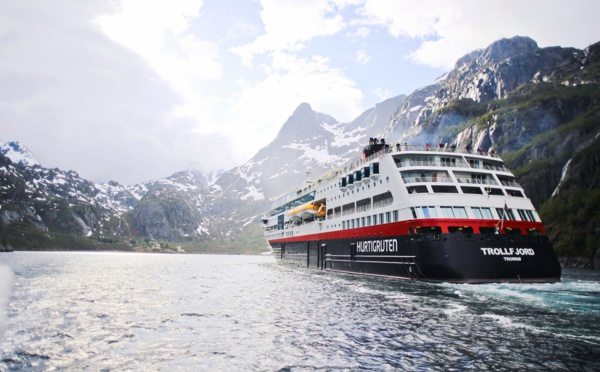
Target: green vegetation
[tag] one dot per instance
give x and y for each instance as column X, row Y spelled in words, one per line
column 27, row 237
column 573, row 222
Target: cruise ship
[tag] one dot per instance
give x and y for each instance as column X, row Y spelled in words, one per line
column 431, row 213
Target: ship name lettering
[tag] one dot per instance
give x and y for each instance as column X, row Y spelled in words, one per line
column 508, row 252
column 377, row 246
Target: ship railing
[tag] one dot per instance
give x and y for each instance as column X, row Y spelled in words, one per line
column 382, row 203
column 427, row 179
column 362, row 208
column 510, row 183
column 400, row 148
column 495, row 168
column 428, row 163
column 477, row 181
column 447, row 149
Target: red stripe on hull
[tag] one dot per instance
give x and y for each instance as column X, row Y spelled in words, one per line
column 401, row 228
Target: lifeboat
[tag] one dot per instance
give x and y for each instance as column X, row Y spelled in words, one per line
column 307, row 210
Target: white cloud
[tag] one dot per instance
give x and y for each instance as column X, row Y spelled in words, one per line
column 449, row 30
column 362, row 57
column 289, row 25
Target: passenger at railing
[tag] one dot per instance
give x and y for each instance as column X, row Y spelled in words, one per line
column 405, row 146
column 441, row 145
column 398, row 147
column 453, row 147
column 427, row 146
column 492, row 153
column 469, row 148
column 479, row 151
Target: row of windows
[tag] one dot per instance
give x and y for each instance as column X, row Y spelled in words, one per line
column 477, row 212
column 376, row 219
column 436, row 230
column 378, row 201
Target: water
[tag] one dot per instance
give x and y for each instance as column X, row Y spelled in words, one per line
column 152, row 312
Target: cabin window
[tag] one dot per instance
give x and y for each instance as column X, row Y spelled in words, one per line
column 374, row 168
column 365, row 172
column 448, row 162
column 413, row 211
column 357, row 176
column 487, row 230
column 396, row 218
column 347, row 209
column 424, row 212
column 471, row 190
column 460, row 229
column 337, row 211
column 444, row 189
column 454, row 212
column 374, row 219
column 368, row 220
column 447, row 212
column 350, row 179
column 512, row 231
column 388, row 217
column 493, row 191
column 417, row 189
column 342, row 182
column 430, row 231
column 382, row 200
column 380, row 217
column 363, row 205
column 482, row 213
column 516, row 193
column 505, row 214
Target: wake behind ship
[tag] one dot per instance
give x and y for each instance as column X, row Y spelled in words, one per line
column 415, row 212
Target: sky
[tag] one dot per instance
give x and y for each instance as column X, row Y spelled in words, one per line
column 135, row 90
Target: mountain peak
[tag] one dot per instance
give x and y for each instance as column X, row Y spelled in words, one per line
column 506, row 48
column 18, row 153
column 303, row 108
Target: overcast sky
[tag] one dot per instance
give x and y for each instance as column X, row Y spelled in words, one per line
column 134, row 90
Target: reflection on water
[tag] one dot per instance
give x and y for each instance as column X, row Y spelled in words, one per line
column 159, row 312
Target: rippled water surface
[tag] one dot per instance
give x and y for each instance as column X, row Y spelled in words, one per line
column 120, row 311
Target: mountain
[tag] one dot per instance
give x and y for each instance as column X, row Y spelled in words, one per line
column 539, row 108
column 18, row 153
column 48, row 203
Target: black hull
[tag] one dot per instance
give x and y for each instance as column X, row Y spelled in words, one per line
column 455, row 258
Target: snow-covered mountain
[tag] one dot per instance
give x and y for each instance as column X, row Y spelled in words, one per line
column 18, row 153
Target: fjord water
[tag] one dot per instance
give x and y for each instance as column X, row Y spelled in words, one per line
column 122, row 311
